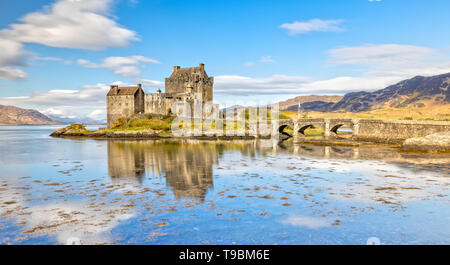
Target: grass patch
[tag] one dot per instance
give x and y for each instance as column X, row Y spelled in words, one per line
column 162, row 124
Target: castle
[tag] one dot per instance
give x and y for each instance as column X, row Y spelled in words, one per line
column 182, row 84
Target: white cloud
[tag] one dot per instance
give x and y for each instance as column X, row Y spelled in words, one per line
column 12, row 74
column 303, row 27
column 12, row 53
column 383, row 54
column 89, row 101
column 392, row 61
column 81, row 24
column 51, row 59
column 61, row 112
column 64, row 103
column 249, row 64
column 264, row 59
column 151, row 83
column 241, row 85
column 123, row 66
column 295, row 85
column 381, row 66
column 97, row 114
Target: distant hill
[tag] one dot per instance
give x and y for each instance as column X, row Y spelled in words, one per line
column 292, row 104
column 10, row 115
column 77, row 120
column 417, row 92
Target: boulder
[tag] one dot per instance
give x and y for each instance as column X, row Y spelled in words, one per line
column 435, row 141
column 71, row 130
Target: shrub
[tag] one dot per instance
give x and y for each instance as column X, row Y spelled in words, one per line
column 77, row 127
column 121, row 123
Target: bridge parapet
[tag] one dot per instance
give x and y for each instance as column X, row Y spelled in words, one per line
column 399, row 129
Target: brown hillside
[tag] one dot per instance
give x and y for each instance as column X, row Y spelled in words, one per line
column 10, row 115
column 292, row 104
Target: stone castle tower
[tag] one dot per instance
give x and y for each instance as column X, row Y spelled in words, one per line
column 182, row 85
column 124, row 102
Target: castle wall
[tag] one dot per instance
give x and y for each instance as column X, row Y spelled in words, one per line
column 119, row 106
column 158, row 104
column 191, row 83
column 175, row 85
column 139, row 105
column 208, row 96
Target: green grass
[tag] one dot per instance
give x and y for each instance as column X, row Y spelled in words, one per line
column 163, row 124
column 87, row 132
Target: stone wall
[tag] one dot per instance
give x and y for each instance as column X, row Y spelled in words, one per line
column 158, row 104
column 139, row 99
column 398, row 130
column 190, row 81
column 371, row 129
column 119, row 106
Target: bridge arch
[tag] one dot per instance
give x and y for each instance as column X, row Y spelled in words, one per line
column 336, row 128
column 304, row 128
column 282, row 128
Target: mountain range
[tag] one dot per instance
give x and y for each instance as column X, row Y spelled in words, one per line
column 292, row 104
column 85, row 120
column 418, row 92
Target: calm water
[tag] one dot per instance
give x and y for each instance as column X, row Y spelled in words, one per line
column 59, row 191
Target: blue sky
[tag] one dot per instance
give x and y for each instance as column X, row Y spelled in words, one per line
column 60, row 56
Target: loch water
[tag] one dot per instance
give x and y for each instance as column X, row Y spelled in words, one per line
column 85, row 191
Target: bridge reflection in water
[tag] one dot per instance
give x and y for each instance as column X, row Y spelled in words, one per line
column 187, row 166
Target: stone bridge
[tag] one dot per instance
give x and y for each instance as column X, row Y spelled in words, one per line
column 367, row 129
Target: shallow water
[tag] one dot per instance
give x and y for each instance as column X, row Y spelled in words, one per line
column 66, row 191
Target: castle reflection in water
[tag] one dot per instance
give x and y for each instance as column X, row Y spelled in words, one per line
column 186, row 168
column 187, row 165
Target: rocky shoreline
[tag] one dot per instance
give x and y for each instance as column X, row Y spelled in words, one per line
column 78, row 130
column 437, row 142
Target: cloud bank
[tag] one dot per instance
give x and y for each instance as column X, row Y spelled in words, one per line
column 123, row 66
column 80, row 24
column 76, row 24
column 379, row 65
